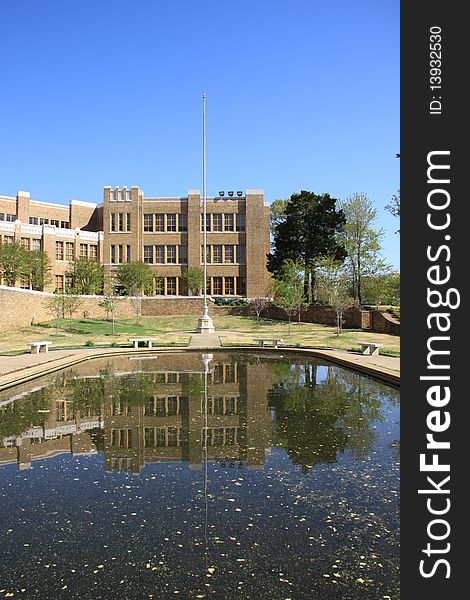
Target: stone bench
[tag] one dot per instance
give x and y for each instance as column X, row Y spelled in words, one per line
column 145, row 341
column 37, row 347
column 262, row 341
column 369, row 348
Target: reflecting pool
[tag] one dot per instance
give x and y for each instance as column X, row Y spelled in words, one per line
column 189, row 475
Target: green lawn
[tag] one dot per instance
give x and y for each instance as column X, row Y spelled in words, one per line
column 177, row 330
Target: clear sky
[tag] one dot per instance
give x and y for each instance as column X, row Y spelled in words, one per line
column 301, row 94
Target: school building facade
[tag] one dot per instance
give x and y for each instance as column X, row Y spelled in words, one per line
column 165, row 233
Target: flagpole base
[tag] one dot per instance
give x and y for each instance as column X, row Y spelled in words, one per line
column 205, row 324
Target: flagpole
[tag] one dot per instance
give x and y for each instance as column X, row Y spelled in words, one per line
column 205, row 323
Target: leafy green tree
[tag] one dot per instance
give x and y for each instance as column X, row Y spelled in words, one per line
column 394, row 206
column 289, row 290
column 72, row 303
column 382, row 288
column 277, row 214
column 193, row 280
column 87, row 275
column 308, row 231
column 55, row 306
column 109, row 304
column 38, row 267
column 333, row 281
column 134, row 278
column 13, row 262
column 361, row 241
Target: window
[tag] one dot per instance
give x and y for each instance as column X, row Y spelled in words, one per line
column 55, row 222
column 172, row 403
column 148, row 222
column 160, row 437
column 229, row 286
column 149, row 440
column 112, row 254
column 26, row 243
column 8, row 239
column 171, row 286
column 171, row 222
column 208, row 222
column 241, row 286
column 7, row 217
column 69, row 250
column 65, row 224
column 240, row 222
column 128, row 253
column 159, row 284
column 217, row 253
column 68, row 282
column 182, row 222
column 32, row 220
column 217, row 222
column 43, row 221
column 148, row 254
column 171, row 254
column 228, row 222
column 120, row 254
column 241, row 258
column 229, row 254
column 112, row 224
column 120, row 221
column 128, row 222
column 208, row 254
column 160, row 254
column 59, row 250
column 36, row 245
column 92, row 251
column 59, row 283
column 217, row 286
column 172, row 436
column 182, row 255
column 83, row 250
column 159, row 222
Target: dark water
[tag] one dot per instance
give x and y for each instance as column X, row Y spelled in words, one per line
column 254, row 477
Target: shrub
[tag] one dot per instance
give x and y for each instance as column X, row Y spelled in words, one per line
column 89, row 343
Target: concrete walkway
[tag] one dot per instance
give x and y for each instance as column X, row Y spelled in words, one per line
column 21, row 368
column 205, row 340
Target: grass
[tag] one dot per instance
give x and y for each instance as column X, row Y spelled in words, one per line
column 177, row 330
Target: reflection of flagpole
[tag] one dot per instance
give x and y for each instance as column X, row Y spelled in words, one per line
column 206, row 358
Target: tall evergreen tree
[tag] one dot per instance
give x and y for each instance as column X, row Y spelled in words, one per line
column 309, row 231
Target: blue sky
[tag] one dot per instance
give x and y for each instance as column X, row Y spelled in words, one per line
column 301, row 94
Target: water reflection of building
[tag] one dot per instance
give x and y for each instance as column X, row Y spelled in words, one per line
column 163, row 421
column 63, row 430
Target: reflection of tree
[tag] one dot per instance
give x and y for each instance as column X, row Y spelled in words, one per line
column 22, row 414
column 316, row 420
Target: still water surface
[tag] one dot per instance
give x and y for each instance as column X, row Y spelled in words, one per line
column 200, row 476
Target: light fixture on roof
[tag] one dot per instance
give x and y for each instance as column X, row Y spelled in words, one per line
column 239, row 193
column 221, row 194
column 230, row 194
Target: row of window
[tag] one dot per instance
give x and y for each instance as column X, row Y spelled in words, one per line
column 218, row 286
column 224, row 222
column 165, row 222
column 7, row 217
column 66, row 250
column 178, row 222
column 31, row 244
column 224, row 253
column 120, row 222
column 162, row 437
column 56, row 222
column 63, row 282
column 169, row 254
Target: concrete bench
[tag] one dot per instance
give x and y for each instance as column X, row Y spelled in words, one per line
column 37, row 347
column 262, row 341
column 143, row 340
column 369, row 348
